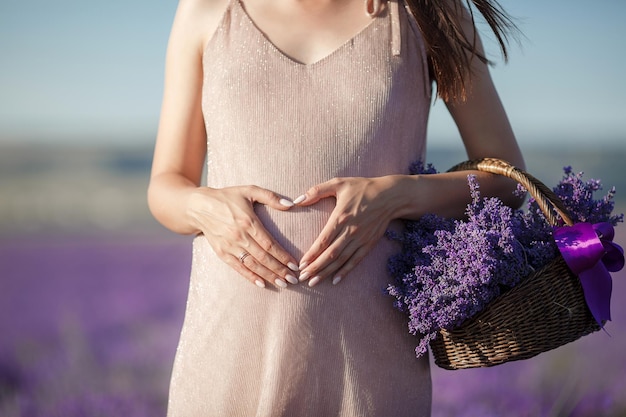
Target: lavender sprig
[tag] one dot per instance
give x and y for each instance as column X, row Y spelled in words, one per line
column 449, row 270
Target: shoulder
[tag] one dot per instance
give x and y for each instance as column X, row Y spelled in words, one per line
column 197, row 20
column 201, row 9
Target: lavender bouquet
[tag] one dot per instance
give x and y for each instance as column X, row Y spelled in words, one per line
column 449, row 270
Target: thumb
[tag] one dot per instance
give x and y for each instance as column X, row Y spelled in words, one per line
column 269, row 198
column 317, row 192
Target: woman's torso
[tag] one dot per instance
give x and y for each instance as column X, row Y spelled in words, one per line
column 271, row 121
column 274, row 122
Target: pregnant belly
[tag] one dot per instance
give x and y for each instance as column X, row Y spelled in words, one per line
column 297, row 228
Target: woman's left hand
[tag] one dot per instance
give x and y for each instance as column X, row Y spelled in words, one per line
column 364, row 208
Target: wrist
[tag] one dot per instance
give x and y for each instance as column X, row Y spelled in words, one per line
column 401, row 195
column 194, row 201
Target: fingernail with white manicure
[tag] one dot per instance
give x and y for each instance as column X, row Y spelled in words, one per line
column 304, row 276
column 259, row 283
column 293, row 267
column 299, row 199
column 280, row 283
column 303, row 265
column 285, row 203
column 292, row 280
column 314, row 281
column 336, row 280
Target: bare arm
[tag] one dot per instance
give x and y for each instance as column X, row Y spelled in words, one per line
column 486, row 132
column 224, row 216
column 181, row 141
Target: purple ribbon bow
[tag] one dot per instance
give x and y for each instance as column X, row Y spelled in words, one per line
column 590, row 253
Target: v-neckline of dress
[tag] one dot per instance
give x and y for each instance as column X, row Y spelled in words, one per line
column 362, row 32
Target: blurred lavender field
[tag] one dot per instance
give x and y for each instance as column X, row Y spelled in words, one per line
column 89, row 325
column 92, row 294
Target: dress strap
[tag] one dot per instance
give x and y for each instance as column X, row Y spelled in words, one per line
column 374, row 7
column 396, row 35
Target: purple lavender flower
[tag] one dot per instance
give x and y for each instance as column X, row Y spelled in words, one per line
column 449, row 270
column 577, row 195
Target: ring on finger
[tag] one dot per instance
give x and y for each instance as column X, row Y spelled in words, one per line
column 243, row 256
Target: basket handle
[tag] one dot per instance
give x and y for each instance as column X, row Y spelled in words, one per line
column 549, row 203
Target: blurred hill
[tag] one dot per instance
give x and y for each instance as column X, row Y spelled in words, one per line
column 92, row 190
column 74, row 190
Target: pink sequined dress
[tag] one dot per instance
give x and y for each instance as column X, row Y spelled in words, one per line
column 271, row 121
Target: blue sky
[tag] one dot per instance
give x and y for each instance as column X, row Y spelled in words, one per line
column 92, row 72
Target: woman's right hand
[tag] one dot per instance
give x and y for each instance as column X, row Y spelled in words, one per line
column 225, row 216
column 227, row 219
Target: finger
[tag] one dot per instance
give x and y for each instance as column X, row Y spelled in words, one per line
column 342, row 256
column 262, row 263
column 266, row 266
column 255, row 272
column 238, row 266
column 348, row 266
column 330, row 261
column 243, row 248
column 318, row 192
column 268, row 198
column 339, row 269
column 327, row 236
column 286, row 264
column 271, row 254
column 258, row 269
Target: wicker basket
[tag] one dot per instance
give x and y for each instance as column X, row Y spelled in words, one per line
column 544, row 311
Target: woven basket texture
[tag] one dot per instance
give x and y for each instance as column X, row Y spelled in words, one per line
column 544, row 311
